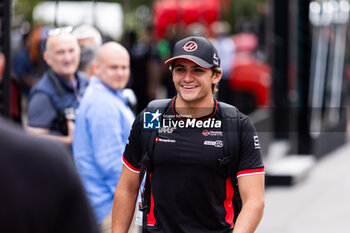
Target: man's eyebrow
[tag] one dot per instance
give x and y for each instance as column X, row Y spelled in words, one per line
column 194, row 66
column 176, row 65
column 197, row 66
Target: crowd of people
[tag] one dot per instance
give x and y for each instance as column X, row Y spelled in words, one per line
column 80, row 99
column 149, row 79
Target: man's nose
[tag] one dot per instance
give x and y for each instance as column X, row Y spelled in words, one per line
column 68, row 56
column 121, row 71
column 188, row 77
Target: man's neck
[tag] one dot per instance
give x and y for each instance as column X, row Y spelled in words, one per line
column 69, row 78
column 194, row 109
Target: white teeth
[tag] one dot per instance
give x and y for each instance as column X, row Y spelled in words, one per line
column 188, row 87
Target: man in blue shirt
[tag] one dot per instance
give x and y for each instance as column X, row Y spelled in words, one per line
column 102, row 128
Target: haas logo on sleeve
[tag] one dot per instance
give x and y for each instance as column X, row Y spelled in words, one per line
column 256, row 142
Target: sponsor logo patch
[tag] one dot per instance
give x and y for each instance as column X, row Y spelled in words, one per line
column 205, row 132
column 217, row 143
column 166, row 140
column 256, row 142
column 212, row 133
column 166, row 130
column 190, row 46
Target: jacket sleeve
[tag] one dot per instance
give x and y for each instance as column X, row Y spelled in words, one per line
column 251, row 161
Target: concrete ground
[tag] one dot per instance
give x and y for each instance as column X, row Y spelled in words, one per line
column 320, row 203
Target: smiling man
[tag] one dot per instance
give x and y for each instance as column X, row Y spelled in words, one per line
column 191, row 178
column 54, row 99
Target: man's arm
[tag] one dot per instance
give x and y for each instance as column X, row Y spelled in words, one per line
column 41, row 114
column 251, row 189
column 124, row 201
column 67, row 140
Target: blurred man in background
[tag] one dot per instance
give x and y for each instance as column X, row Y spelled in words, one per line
column 88, row 35
column 24, row 67
column 41, row 190
column 55, row 97
column 89, row 40
column 226, row 49
column 145, row 67
column 102, row 129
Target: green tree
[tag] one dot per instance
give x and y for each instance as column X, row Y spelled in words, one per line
column 24, row 8
column 242, row 10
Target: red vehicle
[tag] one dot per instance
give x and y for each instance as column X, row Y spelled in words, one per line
column 171, row 12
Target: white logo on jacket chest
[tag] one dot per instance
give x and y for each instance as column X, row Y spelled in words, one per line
column 217, row 143
column 166, row 129
column 158, row 139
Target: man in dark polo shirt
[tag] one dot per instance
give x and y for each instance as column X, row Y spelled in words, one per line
column 54, row 99
column 190, row 190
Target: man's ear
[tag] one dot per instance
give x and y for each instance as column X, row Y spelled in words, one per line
column 46, row 57
column 2, row 63
column 217, row 77
column 94, row 67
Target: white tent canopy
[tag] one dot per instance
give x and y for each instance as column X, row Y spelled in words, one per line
column 107, row 17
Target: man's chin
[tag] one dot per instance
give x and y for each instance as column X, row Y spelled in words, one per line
column 120, row 86
column 66, row 74
column 189, row 98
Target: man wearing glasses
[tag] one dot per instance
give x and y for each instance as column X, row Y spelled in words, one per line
column 53, row 100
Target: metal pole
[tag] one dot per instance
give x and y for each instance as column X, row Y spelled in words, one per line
column 5, row 22
column 280, row 67
column 320, row 17
column 93, row 13
column 303, row 142
column 340, row 19
column 56, row 13
column 126, row 7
